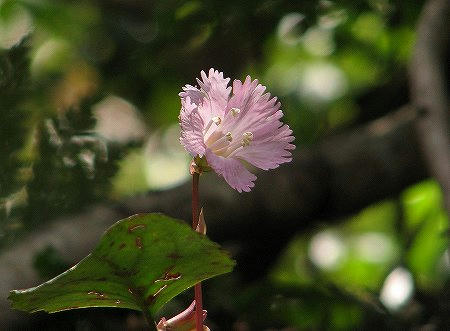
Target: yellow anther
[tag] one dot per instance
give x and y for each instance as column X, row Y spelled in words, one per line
column 247, row 137
column 217, row 120
column 235, row 111
column 229, row 136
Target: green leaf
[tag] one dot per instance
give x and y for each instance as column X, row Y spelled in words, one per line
column 426, row 222
column 140, row 263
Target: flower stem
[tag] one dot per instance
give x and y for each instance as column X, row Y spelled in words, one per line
column 198, row 287
column 198, row 306
column 195, row 212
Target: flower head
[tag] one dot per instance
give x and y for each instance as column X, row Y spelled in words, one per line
column 226, row 126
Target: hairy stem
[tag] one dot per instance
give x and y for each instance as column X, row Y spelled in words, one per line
column 198, row 287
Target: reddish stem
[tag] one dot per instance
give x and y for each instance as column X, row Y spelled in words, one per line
column 198, row 287
column 198, row 306
column 195, row 212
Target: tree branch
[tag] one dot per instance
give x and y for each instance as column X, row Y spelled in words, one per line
column 429, row 90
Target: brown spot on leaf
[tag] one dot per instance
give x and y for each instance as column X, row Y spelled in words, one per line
column 139, row 242
column 168, row 275
column 174, row 276
column 134, row 227
column 151, row 298
column 99, row 295
column 122, row 246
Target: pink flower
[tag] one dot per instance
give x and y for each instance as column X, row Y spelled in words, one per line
column 232, row 125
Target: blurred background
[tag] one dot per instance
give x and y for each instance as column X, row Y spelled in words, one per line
column 89, row 134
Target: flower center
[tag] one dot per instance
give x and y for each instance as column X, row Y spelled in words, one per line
column 225, row 145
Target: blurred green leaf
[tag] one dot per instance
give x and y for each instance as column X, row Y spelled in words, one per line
column 427, row 223
column 14, row 83
column 419, row 201
column 361, row 70
column 164, row 107
column 48, row 262
column 140, row 263
column 70, row 20
column 377, row 217
column 355, row 256
column 187, row 9
column 311, row 308
column 368, row 27
column 130, row 179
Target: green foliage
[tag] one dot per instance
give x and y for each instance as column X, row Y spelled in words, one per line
column 426, row 226
column 14, row 83
column 64, row 19
column 81, row 165
column 140, row 263
column 311, row 308
column 342, row 63
column 49, row 263
column 143, row 52
column 350, row 262
column 43, row 149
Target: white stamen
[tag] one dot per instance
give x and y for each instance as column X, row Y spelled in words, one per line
column 235, row 111
column 221, row 143
column 234, row 150
column 216, row 120
column 247, row 137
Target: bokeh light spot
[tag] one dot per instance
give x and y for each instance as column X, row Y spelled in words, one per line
column 397, row 289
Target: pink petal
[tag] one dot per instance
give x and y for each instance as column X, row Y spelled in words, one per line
column 270, row 147
column 216, row 88
column 191, row 128
column 243, row 93
column 212, row 98
column 256, row 108
column 193, row 93
column 259, row 114
column 234, row 173
column 266, row 156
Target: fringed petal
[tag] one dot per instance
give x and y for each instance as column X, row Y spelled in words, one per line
column 234, row 173
column 191, row 128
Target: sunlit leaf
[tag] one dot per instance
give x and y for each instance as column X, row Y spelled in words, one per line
column 140, row 263
column 419, row 201
column 427, row 222
column 353, row 257
column 130, row 179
